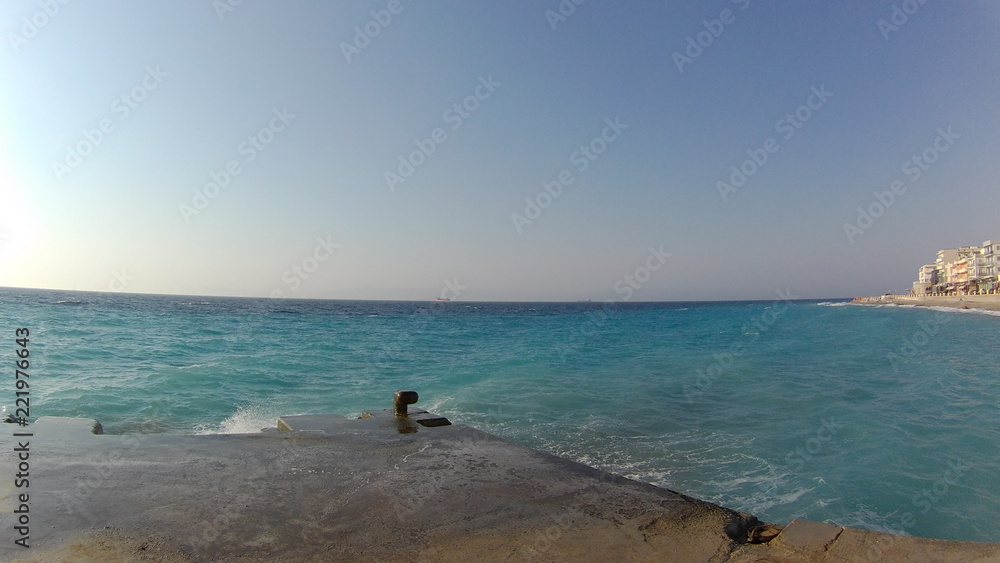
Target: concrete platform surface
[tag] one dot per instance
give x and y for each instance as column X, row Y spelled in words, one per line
column 329, row 488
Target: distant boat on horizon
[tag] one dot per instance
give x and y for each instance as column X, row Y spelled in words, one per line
column 441, row 299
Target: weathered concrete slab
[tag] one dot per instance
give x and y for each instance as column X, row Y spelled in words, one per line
column 377, row 421
column 808, row 541
column 809, row 536
column 859, row 545
column 334, row 489
column 67, row 427
column 311, row 423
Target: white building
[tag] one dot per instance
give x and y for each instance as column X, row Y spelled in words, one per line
column 928, row 274
column 945, row 258
column 926, row 278
column 962, row 269
column 988, row 262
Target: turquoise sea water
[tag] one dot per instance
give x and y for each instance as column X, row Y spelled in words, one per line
column 883, row 418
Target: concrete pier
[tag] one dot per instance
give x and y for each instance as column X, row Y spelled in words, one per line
column 380, row 488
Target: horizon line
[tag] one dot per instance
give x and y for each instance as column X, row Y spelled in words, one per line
column 428, row 300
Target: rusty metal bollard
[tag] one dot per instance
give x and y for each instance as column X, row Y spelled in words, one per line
column 403, row 398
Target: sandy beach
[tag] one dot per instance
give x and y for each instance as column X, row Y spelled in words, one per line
column 989, row 302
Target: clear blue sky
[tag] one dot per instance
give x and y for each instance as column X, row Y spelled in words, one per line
column 199, row 80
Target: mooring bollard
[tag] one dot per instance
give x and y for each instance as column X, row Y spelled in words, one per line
column 403, row 398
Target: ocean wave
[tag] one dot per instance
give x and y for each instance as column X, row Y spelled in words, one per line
column 248, row 419
column 867, row 518
column 971, row 310
column 941, row 308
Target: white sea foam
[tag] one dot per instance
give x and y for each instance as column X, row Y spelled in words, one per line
column 867, row 518
column 248, row 419
column 970, row 310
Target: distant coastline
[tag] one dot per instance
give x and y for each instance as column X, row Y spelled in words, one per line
column 990, row 301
